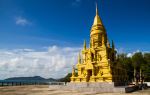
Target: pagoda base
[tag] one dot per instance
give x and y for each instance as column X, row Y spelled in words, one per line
column 97, row 87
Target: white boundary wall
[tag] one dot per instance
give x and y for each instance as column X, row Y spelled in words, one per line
column 148, row 83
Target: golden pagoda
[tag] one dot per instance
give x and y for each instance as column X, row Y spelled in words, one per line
column 94, row 63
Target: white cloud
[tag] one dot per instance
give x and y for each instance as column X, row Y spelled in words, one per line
column 129, row 54
column 22, row 21
column 120, row 50
column 55, row 62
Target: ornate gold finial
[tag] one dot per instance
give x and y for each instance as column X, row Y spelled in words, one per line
column 73, row 71
column 79, row 58
column 84, row 46
column 108, row 44
column 96, row 9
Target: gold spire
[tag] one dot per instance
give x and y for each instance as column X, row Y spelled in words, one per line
column 97, row 20
column 84, row 46
column 108, row 44
column 73, row 71
column 96, row 9
column 79, row 58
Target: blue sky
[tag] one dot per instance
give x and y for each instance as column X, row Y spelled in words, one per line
column 44, row 37
column 43, row 23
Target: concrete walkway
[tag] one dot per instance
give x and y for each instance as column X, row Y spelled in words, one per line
column 45, row 90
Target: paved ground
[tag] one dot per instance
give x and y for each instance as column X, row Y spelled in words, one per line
column 44, row 90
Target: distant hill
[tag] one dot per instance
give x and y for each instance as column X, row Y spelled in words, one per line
column 38, row 78
column 35, row 78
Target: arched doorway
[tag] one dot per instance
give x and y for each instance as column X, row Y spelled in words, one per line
column 89, row 74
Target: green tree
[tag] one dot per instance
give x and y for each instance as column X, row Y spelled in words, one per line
column 66, row 78
column 138, row 63
column 125, row 63
column 138, row 60
column 146, row 66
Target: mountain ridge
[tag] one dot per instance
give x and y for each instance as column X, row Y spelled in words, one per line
column 34, row 78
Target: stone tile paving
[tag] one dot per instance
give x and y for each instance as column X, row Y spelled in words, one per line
column 44, row 90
